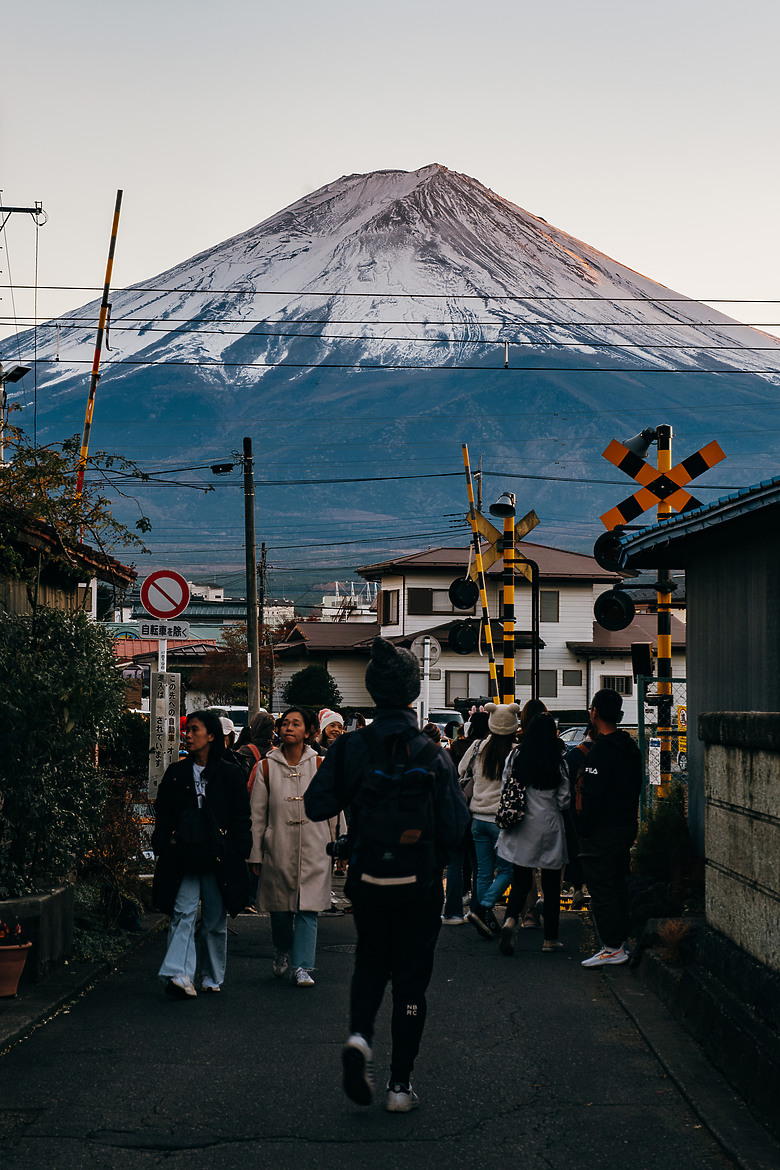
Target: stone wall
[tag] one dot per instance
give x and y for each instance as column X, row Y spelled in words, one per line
column 742, row 829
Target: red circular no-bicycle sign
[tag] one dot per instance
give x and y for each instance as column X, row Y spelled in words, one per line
column 165, row 594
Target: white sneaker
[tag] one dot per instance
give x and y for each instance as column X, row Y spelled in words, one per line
column 281, row 964
column 452, row 920
column 358, row 1079
column 401, row 1098
column 180, row 987
column 300, row 977
column 608, row 956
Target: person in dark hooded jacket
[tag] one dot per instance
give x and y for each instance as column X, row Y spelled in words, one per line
column 608, row 825
column 394, row 943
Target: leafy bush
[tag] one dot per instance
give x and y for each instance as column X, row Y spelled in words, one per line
column 313, row 686
column 664, row 849
column 61, row 695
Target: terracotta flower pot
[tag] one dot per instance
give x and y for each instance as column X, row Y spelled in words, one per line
column 12, row 960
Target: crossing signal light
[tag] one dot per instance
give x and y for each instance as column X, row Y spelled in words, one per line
column 463, row 637
column 464, row 593
column 606, row 550
column 614, row 610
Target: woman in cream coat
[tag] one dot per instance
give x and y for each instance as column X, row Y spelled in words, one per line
column 288, row 850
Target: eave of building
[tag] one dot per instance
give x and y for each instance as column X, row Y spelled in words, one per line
column 554, row 564
column 664, row 544
column 42, row 537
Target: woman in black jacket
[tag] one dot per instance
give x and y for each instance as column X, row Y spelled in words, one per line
column 201, row 839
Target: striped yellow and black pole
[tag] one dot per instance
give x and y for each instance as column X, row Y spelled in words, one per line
column 487, row 632
column 508, row 685
column 664, row 651
column 104, row 308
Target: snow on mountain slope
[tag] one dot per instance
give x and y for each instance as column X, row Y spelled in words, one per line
column 345, row 260
column 360, row 332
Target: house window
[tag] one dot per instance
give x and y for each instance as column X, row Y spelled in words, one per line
column 548, row 682
column 465, row 684
column 622, row 683
column 572, row 678
column 424, row 602
column 389, row 607
column 549, row 605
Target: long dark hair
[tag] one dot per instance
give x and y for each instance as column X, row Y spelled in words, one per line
column 494, row 755
column 538, row 761
column 211, row 722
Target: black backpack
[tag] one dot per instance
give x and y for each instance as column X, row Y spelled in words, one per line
column 392, row 824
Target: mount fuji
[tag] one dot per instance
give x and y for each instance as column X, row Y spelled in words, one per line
column 365, row 332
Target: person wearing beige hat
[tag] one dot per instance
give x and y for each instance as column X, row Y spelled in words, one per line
column 485, row 763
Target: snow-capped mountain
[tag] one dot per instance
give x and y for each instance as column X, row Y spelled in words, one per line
column 390, row 303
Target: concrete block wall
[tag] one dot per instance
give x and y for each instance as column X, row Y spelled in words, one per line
column 742, row 829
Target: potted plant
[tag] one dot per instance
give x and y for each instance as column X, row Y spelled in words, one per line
column 14, row 946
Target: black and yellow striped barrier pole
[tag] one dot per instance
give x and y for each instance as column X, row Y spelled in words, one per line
column 664, row 649
column 486, row 628
column 508, row 695
column 104, row 308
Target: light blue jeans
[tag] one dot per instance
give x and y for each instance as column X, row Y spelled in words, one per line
column 295, row 933
column 181, row 956
column 489, row 889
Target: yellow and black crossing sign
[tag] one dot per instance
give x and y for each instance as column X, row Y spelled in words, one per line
column 657, row 487
column 491, row 533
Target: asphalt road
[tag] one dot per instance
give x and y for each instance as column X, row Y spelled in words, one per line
column 529, row 1062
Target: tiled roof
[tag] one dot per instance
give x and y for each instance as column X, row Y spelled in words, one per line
column 552, row 562
column 643, row 628
column 127, row 649
column 333, row 636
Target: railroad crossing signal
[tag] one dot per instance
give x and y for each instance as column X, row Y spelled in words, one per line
column 664, row 487
column 494, row 536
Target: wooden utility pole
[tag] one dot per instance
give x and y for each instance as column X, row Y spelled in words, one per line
column 253, row 661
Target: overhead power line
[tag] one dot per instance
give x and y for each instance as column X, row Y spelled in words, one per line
column 404, row 366
column 396, row 295
column 576, row 343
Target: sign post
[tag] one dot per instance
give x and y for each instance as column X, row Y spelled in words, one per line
column 164, row 594
column 163, row 726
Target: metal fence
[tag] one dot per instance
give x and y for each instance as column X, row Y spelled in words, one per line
column 650, row 742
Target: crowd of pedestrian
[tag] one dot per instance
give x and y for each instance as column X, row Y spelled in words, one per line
column 258, row 822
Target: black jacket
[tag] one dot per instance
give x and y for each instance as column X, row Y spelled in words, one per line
column 336, row 783
column 228, row 800
column 611, row 784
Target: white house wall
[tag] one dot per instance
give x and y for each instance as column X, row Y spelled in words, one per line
column 349, row 674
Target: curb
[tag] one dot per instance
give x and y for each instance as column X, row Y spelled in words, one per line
column 39, row 1002
column 717, row 1104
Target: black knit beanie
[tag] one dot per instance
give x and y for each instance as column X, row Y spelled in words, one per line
column 392, row 675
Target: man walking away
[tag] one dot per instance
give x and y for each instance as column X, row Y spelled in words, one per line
column 407, row 814
column 608, row 825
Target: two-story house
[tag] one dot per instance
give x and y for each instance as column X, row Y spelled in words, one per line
column 576, row 657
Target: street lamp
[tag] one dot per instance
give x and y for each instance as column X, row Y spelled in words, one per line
column 11, row 375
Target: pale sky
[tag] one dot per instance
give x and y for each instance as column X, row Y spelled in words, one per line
column 649, row 131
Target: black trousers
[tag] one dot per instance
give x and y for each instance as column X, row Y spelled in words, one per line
column 394, row 945
column 551, row 889
column 606, row 856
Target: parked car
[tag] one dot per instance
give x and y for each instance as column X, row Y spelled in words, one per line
column 443, row 716
column 573, row 735
column 239, row 715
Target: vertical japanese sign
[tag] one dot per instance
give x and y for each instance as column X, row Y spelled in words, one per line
column 164, row 692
